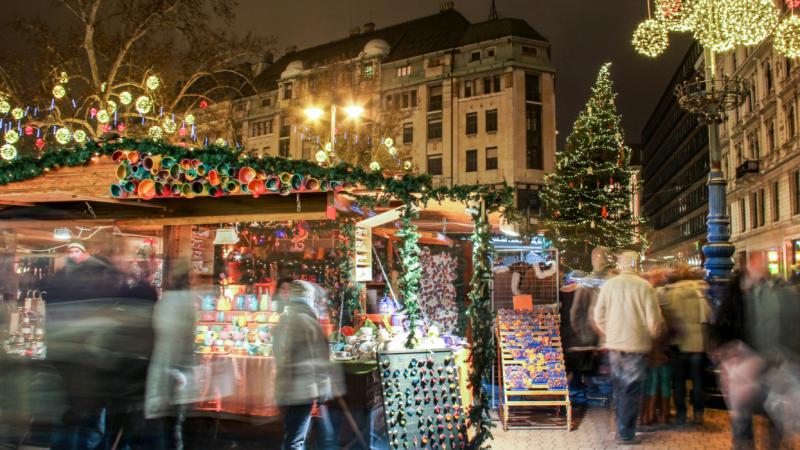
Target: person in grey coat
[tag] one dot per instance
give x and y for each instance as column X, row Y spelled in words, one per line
column 304, row 371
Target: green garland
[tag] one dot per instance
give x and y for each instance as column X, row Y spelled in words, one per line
column 412, row 270
column 481, row 319
column 345, row 248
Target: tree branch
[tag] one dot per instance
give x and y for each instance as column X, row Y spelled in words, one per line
column 88, row 41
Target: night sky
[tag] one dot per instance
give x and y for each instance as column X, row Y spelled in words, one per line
column 583, row 35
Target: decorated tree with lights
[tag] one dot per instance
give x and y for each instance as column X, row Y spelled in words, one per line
column 138, row 68
column 588, row 196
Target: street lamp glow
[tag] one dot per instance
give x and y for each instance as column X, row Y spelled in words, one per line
column 314, row 113
column 354, row 111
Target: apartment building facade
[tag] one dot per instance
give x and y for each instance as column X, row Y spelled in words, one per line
column 472, row 103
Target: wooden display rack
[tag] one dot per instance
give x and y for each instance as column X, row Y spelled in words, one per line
column 518, row 408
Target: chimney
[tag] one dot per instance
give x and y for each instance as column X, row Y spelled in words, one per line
column 259, row 67
column 355, row 31
column 447, row 6
column 368, row 27
column 291, row 49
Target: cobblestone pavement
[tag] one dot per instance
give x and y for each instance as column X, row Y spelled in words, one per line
column 594, row 429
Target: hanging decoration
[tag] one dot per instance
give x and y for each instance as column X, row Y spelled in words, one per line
column 143, row 104
column 59, row 91
column 674, row 14
column 651, row 38
column 153, row 83
column 787, row 36
column 752, row 21
column 125, row 98
column 411, row 273
column 11, row 137
column 79, row 136
column 8, row 152
column 63, row 135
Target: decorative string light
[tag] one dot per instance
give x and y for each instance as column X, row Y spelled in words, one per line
column 125, row 98
column 787, row 37
column 111, row 106
column 711, row 26
column 189, row 119
column 63, row 135
column 407, row 165
column 751, row 21
column 155, row 132
column 103, row 116
column 59, row 91
column 17, row 113
column 8, row 152
column 63, row 78
column 5, row 107
column 11, row 137
column 79, row 136
column 651, row 38
column 153, row 83
column 144, row 104
column 375, row 166
column 675, row 14
column 169, row 125
column 219, row 142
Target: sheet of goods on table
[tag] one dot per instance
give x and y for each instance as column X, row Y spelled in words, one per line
column 421, row 399
column 531, row 367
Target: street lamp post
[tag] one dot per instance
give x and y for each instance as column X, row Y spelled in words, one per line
column 314, row 113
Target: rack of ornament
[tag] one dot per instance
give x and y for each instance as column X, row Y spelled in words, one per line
column 531, row 369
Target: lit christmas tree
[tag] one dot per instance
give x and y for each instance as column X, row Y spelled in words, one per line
column 588, row 197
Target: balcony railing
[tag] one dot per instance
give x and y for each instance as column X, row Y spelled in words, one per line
column 747, row 167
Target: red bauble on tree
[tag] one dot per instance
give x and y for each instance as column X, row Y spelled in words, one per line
column 39, row 143
column 203, row 104
column 28, row 131
column 604, row 212
column 793, row 3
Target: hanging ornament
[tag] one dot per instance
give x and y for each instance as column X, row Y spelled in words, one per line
column 144, row 104
column 39, row 143
column 28, row 130
column 407, row 165
column 711, row 25
column 155, row 132
column 105, row 128
column 63, row 78
column 580, row 205
column 393, row 151
column 111, row 106
column 787, row 36
column 5, row 107
column 169, row 125
column 590, row 171
column 792, row 4
column 93, row 112
column 604, row 212
column 591, row 224
column 153, row 83
column 8, row 152
column 752, row 21
column 675, row 14
column 103, row 116
column 189, row 119
column 121, row 126
column 203, row 104
column 651, row 38
column 79, row 136
column 375, row 166
column 219, row 142
column 556, row 213
column 63, row 135
column 321, row 156
column 182, row 131
column 59, row 91
column 17, row 113
column 388, row 142
column 11, row 137
column 125, row 98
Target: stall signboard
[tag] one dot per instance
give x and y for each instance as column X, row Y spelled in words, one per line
column 421, row 399
column 363, row 254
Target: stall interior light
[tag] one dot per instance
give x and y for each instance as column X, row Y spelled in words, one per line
column 226, row 236
column 62, row 234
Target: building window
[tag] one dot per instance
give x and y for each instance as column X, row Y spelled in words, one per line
column 530, row 51
column 491, row 121
column 754, row 144
column 409, row 99
column 788, row 66
column 533, row 136
column 286, row 128
column 491, row 158
column 771, row 136
column 435, row 98
column 532, row 88
column 287, row 91
column 368, row 71
column 283, row 148
column 739, row 154
column 434, row 128
column 472, row 160
column 468, row 88
column 496, row 82
column 266, row 101
column 795, row 182
column 487, row 85
column 472, row 123
column 790, row 122
column 742, row 216
column 490, row 52
column 434, row 164
column 768, row 76
column 776, row 202
column 475, row 56
column 408, row 133
column 761, row 207
column 241, row 107
column 403, row 71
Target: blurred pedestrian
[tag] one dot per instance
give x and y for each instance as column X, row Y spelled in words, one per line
column 628, row 316
column 304, row 374
column 687, row 313
column 283, row 293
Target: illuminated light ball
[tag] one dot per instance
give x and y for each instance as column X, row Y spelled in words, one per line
column 103, row 86
column 407, row 165
column 79, row 136
column 59, row 91
column 321, row 156
column 155, row 132
column 105, row 128
column 11, row 137
column 125, row 98
column 219, row 142
column 375, row 166
column 393, row 151
column 674, row 14
column 651, row 38
column 189, row 119
column 153, row 82
column 182, row 131
column 17, row 113
column 93, row 112
column 712, row 26
column 63, row 135
column 169, row 125
column 28, row 131
column 103, row 116
column 203, row 104
column 120, row 126
column 328, row 146
column 111, row 106
column 8, row 152
column 63, row 78
column 39, row 143
column 787, row 37
column 752, row 21
column 144, row 104
column 388, row 142
column 5, row 107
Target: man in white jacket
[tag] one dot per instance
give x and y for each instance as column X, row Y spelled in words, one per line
column 628, row 316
